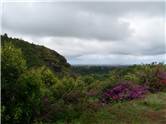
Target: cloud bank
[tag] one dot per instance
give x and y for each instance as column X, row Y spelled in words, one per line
column 92, row 32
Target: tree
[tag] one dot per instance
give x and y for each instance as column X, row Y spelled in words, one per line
column 13, row 63
column 12, row 66
column 29, row 99
column 22, row 88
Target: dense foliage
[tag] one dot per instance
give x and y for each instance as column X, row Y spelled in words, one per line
column 35, row 94
column 13, row 65
column 124, row 91
column 37, row 55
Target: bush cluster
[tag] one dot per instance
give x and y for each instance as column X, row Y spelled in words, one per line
column 124, row 91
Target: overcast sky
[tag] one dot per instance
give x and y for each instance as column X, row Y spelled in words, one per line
column 91, row 32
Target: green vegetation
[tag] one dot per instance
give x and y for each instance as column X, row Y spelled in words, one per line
column 37, row 55
column 150, row 110
column 34, row 92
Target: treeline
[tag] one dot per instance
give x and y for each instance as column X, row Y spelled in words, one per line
column 94, row 69
column 38, row 95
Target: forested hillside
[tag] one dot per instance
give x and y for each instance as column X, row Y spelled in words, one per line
column 37, row 55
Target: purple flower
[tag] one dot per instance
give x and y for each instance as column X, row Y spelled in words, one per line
column 124, row 91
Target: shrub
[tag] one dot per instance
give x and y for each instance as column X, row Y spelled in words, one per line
column 48, row 77
column 27, row 104
column 123, row 91
column 88, row 80
column 132, row 77
column 153, row 76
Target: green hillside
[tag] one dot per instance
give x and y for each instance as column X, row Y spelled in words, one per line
column 33, row 94
column 37, row 55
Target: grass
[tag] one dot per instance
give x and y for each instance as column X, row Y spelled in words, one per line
column 150, row 110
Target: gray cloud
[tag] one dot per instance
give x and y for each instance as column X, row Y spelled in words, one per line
column 64, row 21
column 89, row 31
column 86, row 20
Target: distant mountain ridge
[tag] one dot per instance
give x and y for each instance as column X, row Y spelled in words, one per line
column 37, row 55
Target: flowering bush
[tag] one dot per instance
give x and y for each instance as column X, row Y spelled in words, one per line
column 124, row 91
